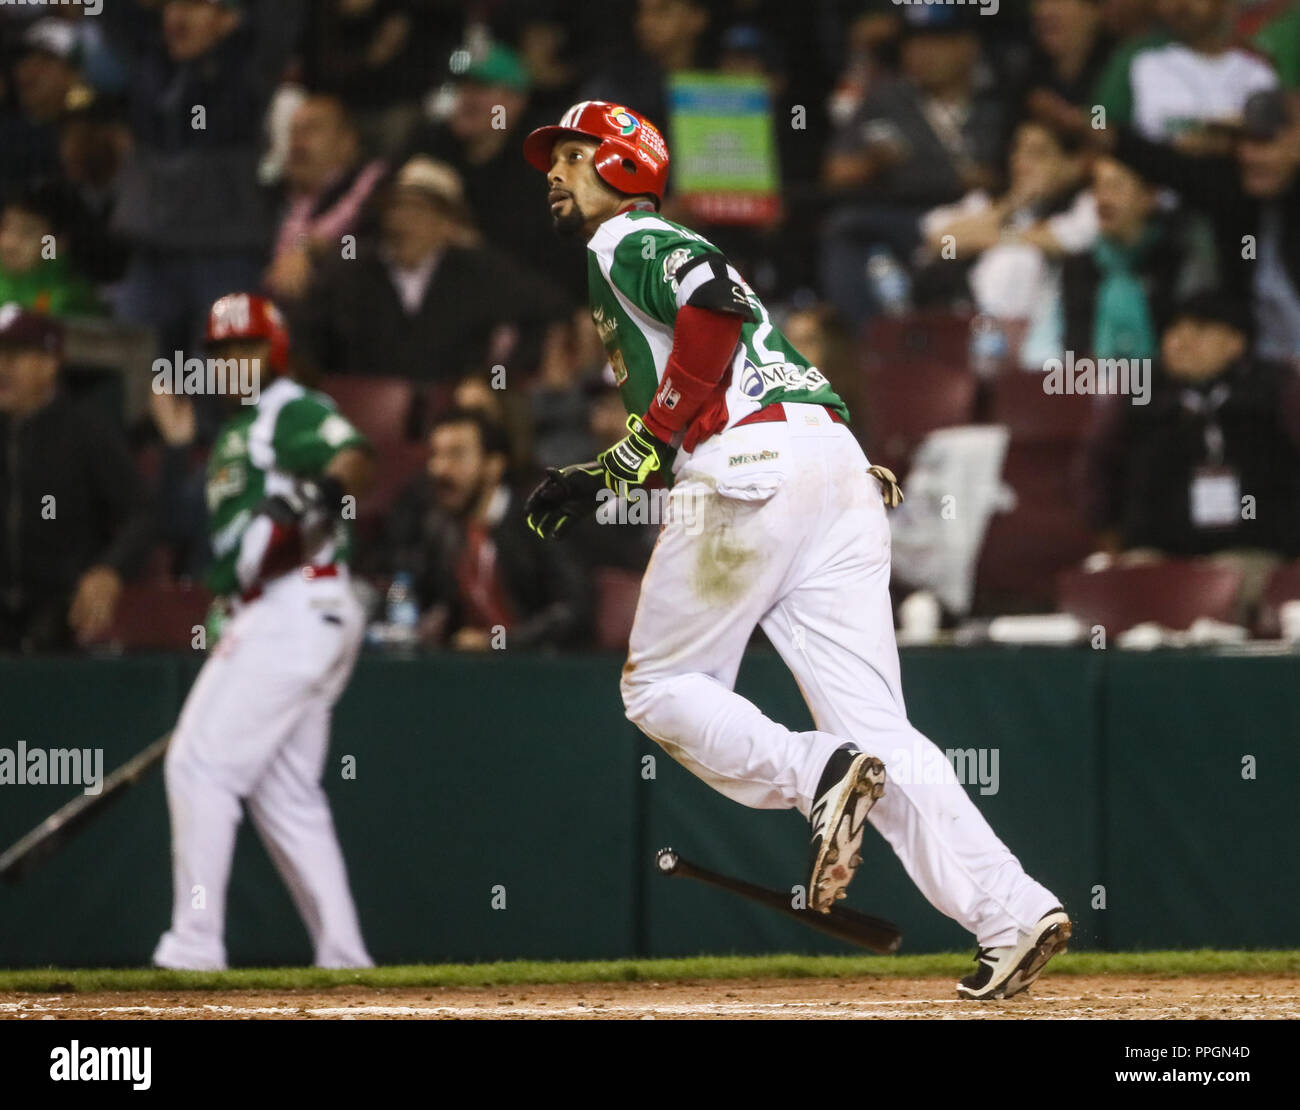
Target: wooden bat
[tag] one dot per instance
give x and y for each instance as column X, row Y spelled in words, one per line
column 24, row 855
column 841, row 922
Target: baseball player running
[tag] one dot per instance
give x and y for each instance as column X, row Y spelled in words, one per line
column 255, row 726
column 776, row 519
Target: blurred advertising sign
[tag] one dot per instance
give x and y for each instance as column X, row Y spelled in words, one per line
column 724, row 160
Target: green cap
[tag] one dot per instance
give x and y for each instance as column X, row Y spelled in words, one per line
column 499, row 66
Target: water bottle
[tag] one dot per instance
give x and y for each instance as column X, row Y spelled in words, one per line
column 890, row 284
column 403, row 611
column 988, row 346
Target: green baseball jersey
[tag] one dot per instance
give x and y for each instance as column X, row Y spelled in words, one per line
column 291, row 433
column 641, row 270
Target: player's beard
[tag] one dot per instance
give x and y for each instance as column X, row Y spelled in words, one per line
column 570, row 225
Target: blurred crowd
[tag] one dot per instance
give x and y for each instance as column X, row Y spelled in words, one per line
column 1114, row 179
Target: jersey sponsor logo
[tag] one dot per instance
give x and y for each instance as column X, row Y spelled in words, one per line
column 619, row 367
column 673, row 262
column 606, row 324
column 757, row 381
column 752, row 457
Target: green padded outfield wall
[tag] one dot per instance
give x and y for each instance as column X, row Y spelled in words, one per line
column 517, row 778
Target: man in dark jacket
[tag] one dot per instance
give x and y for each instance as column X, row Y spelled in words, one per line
column 75, row 521
column 427, row 305
column 1211, row 466
column 481, row 584
column 202, row 73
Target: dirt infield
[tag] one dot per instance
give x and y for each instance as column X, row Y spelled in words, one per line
column 1063, row 996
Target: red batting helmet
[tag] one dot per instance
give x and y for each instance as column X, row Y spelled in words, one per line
column 632, row 156
column 248, row 316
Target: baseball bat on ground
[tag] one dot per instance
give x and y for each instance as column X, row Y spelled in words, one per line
column 841, row 922
column 64, row 823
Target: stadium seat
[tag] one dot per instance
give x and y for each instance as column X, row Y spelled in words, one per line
column 617, row 592
column 1283, row 585
column 1032, row 416
column 158, row 616
column 388, row 412
column 1026, row 547
column 1173, row 593
column 942, row 337
column 904, row 401
column 395, row 465
column 380, row 407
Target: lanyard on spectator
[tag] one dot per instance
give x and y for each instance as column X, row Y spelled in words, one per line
column 1207, row 405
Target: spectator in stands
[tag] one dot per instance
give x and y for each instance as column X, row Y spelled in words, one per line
column 77, row 524
column 1212, row 464
column 202, row 73
column 487, row 392
column 480, row 140
column 1279, row 39
column 1252, row 197
column 572, row 356
column 36, row 248
column 1006, row 249
column 93, row 144
column 1070, row 49
column 480, row 582
column 619, row 534
column 327, row 184
column 670, row 38
column 380, row 57
column 1116, row 294
column 423, row 305
column 915, row 142
column 43, row 74
column 1198, row 78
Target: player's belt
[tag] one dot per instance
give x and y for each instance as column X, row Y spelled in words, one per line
column 331, row 570
column 776, row 411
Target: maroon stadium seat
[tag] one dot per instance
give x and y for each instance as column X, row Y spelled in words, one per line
column 1173, row 593
column 617, row 592
column 1033, row 416
column 379, row 407
column 383, row 409
column 1026, row 548
column 1283, row 585
column 918, row 337
column 158, row 616
column 904, row 401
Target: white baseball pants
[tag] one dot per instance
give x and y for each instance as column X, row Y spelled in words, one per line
column 255, row 728
column 779, row 524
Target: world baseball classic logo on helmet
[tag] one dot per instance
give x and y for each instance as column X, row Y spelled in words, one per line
column 650, row 145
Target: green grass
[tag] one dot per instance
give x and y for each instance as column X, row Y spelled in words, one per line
column 945, row 965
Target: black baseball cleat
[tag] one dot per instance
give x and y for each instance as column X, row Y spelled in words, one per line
column 1003, row 972
column 849, row 787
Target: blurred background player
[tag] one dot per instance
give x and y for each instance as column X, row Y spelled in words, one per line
column 776, row 519
column 255, row 726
